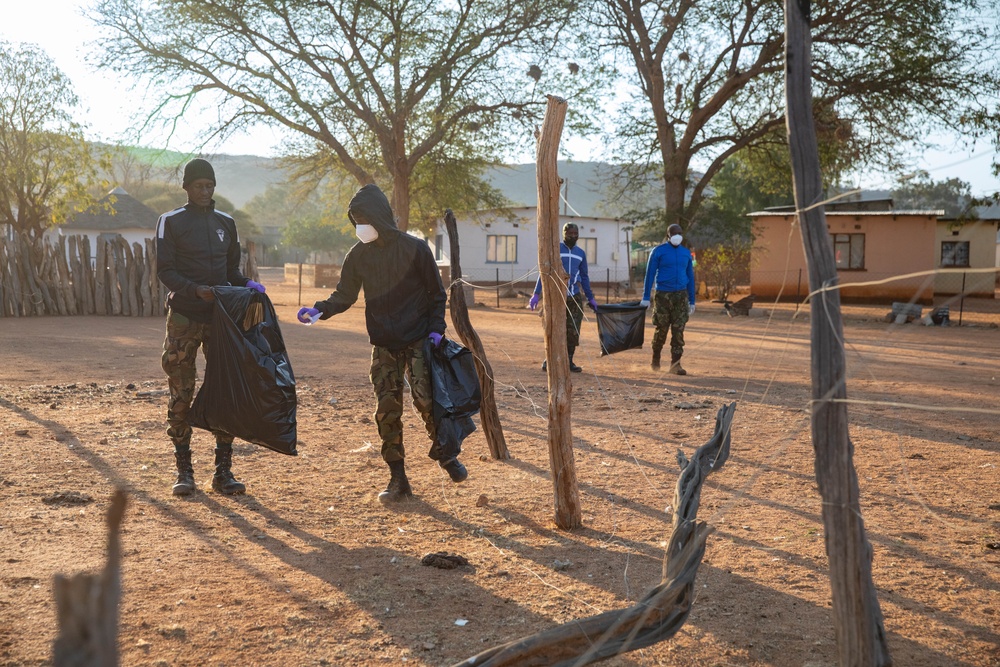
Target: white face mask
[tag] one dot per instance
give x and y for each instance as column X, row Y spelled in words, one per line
column 366, row 233
column 676, row 239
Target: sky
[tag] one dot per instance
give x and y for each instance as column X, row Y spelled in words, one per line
column 60, row 29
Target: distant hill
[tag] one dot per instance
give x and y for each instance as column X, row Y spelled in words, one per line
column 241, row 177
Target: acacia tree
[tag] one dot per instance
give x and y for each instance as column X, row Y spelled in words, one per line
column 375, row 89
column 46, row 166
column 920, row 191
column 708, row 78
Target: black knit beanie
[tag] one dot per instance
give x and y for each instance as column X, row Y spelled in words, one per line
column 198, row 168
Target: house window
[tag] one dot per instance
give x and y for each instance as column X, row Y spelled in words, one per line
column 589, row 246
column 954, row 253
column 849, row 251
column 501, row 249
column 439, row 247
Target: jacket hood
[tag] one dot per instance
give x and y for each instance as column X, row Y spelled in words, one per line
column 372, row 203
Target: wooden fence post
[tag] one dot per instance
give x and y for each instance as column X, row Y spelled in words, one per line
column 488, row 414
column 87, row 605
column 568, row 513
column 857, row 617
column 89, row 279
column 66, row 277
column 100, row 275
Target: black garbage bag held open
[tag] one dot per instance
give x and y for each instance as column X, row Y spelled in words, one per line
column 249, row 389
column 620, row 326
column 456, row 394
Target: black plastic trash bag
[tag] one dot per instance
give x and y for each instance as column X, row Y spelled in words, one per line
column 620, row 326
column 249, row 388
column 455, row 388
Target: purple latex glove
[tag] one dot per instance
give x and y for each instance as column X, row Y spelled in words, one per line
column 593, row 304
column 308, row 315
column 255, row 285
column 435, row 338
column 533, row 301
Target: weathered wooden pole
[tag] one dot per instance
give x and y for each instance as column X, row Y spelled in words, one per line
column 87, row 605
column 568, row 513
column 488, row 414
column 857, row 617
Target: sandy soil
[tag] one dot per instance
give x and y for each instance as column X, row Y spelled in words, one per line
column 309, row 569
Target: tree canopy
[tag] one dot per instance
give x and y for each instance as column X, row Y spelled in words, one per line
column 707, row 79
column 388, row 92
column 48, row 172
column 921, row 192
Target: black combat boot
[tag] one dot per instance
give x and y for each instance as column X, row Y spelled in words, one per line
column 675, row 365
column 573, row 368
column 185, row 473
column 223, row 480
column 399, row 487
column 455, row 469
column 655, row 363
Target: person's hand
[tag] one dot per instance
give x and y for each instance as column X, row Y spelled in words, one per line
column 205, row 293
column 255, row 285
column 308, row 315
column 690, row 309
column 644, row 303
column 435, row 338
column 593, row 304
column 533, row 301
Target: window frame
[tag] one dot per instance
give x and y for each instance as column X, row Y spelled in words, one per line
column 591, row 256
column 954, row 264
column 493, row 245
column 854, row 244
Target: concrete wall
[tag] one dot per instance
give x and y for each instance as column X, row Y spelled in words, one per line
column 981, row 236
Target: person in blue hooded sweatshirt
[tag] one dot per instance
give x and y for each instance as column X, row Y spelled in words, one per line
column 404, row 304
column 574, row 262
column 671, row 270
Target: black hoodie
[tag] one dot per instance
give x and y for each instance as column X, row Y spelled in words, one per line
column 404, row 298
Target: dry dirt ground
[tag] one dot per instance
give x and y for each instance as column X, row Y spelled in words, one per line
column 308, row 569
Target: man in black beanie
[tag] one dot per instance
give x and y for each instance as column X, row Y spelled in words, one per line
column 197, row 248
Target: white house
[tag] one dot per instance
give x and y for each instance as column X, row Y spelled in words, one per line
column 497, row 249
column 501, row 246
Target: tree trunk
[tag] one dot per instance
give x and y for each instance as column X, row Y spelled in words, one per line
column 488, row 414
column 554, row 283
column 401, row 197
column 857, row 616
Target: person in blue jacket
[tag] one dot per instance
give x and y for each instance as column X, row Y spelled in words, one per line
column 671, row 270
column 574, row 261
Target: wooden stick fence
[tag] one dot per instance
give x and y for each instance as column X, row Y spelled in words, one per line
column 39, row 276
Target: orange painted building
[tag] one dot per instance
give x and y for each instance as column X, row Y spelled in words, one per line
column 876, row 250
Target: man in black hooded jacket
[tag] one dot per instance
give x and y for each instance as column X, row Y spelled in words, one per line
column 404, row 304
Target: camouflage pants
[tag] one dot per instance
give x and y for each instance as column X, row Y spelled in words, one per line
column 180, row 349
column 387, row 372
column 574, row 320
column 670, row 313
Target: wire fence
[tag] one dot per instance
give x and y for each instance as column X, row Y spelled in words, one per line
column 498, row 285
